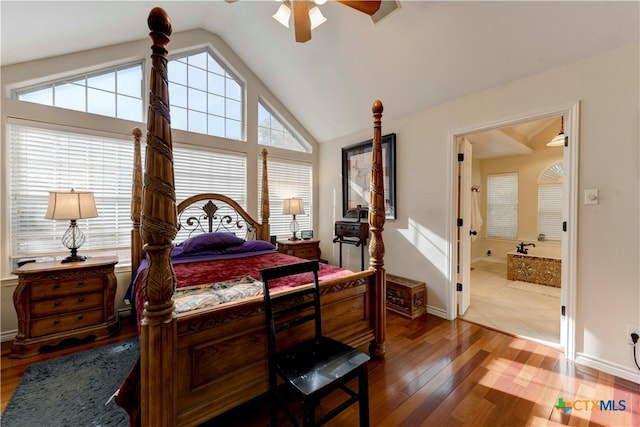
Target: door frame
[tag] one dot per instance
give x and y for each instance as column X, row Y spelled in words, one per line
column 571, row 112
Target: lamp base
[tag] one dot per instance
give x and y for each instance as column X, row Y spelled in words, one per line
column 294, row 238
column 74, row 258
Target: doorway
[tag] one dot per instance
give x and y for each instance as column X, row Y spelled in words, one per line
column 497, row 141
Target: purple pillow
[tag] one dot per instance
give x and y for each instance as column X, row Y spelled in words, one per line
column 208, row 241
column 250, row 246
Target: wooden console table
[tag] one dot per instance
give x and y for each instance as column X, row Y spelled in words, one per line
column 56, row 301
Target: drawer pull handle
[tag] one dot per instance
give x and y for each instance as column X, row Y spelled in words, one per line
column 80, row 317
column 56, row 322
column 56, row 286
column 80, row 299
column 80, row 283
column 56, row 304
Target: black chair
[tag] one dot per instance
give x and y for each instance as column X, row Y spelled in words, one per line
column 313, row 368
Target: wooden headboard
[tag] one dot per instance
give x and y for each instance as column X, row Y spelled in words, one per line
column 199, row 213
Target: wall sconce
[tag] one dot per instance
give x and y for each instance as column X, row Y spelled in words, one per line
column 293, row 206
column 72, row 205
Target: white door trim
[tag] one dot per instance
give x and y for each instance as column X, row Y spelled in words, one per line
column 571, row 113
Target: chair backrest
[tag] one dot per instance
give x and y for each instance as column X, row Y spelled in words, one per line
column 292, row 308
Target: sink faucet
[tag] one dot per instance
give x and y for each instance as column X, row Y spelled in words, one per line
column 521, row 247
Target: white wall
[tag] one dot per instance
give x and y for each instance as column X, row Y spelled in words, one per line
column 418, row 244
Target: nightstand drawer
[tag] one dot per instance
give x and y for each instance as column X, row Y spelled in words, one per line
column 308, row 253
column 62, row 287
column 66, row 322
column 50, row 307
column 56, row 301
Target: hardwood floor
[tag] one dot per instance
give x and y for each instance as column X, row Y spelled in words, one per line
column 449, row 373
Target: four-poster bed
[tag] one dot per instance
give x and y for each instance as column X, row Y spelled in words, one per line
column 198, row 364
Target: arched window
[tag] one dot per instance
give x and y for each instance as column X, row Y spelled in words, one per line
column 550, row 203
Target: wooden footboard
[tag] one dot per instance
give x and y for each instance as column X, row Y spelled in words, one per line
column 222, row 353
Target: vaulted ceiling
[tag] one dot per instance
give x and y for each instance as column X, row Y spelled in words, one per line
column 423, row 54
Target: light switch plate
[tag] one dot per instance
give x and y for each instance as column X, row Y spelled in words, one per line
column 590, row 197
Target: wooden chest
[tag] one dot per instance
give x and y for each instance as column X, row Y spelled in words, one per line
column 406, row 296
column 55, row 302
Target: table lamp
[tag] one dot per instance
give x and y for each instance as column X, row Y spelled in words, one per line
column 72, row 205
column 293, row 206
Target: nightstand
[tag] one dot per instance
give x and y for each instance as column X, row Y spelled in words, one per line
column 56, row 301
column 308, row 249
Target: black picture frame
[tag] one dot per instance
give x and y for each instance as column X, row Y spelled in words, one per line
column 356, row 177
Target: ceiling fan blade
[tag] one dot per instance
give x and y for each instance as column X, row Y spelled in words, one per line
column 301, row 21
column 366, row 6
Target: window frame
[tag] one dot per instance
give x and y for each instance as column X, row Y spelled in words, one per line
column 510, row 218
column 285, row 186
column 305, row 147
column 183, row 57
column 17, row 92
column 551, row 178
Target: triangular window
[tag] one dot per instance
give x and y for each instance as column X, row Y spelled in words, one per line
column 272, row 132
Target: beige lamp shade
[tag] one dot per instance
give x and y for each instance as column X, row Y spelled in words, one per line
column 71, row 205
column 293, row 206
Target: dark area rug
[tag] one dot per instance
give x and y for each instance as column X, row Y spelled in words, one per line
column 72, row 390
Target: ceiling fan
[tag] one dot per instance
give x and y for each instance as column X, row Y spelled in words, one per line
column 307, row 16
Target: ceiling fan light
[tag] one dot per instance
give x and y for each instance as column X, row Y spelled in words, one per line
column 316, row 17
column 320, row 2
column 283, row 14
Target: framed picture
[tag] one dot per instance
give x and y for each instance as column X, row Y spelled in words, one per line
column 356, row 177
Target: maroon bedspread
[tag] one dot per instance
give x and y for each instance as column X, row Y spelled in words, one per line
column 203, row 272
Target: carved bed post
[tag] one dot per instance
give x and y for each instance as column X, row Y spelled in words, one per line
column 136, row 203
column 265, row 200
column 376, row 225
column 158, row 331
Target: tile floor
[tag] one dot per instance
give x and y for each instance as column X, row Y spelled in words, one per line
column 519, row 308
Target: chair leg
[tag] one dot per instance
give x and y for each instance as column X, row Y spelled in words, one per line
column 363, row 391
column 308, row 413
column 273, row 409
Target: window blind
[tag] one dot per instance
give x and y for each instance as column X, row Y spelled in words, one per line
column 550, row 203
column 199, row 171
column 502, row 206
column 43, row 160
column 287, row 179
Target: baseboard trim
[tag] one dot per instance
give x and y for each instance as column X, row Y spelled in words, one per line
column 8, row 335
column 490, row 259
column 437, row 312
column 608, row 367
